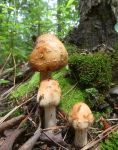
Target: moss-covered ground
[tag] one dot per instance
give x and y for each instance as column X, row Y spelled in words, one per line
column 71, row 94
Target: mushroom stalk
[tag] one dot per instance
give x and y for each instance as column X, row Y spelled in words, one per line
column 80, row 138
column 50, row 116
column 45, row 75
column 81, row 118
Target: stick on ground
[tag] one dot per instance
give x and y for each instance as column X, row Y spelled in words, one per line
column 28, row 145
column 8, row 143
column 10, row 123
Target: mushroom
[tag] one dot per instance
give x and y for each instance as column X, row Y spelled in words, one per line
column 49, row 54
column 49, row 94
column 81, row 118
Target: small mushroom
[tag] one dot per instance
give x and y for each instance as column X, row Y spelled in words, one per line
column 49, row 94
column 81, row 118
column 49, row 54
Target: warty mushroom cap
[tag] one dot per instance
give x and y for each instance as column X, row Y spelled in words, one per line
column 49, row 93
column 49, row 54
column 81, row 116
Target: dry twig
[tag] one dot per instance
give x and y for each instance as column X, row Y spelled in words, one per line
column 8, row 143
column 5, row 64
column 28, row 145
column 100, row 137
column 57, row 141
column 10, row 123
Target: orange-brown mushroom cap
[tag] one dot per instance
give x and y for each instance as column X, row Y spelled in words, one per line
column 81, row 116
column 49, row 93
column 49, row 54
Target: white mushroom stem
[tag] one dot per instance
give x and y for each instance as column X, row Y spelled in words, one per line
column 80, row 138
column 45, row 75
column 50, row 116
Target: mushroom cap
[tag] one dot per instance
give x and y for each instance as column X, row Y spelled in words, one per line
column 49, row 93
column 81, row 116
column 49, row 54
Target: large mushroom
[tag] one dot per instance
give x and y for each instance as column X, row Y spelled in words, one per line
column 81, row 118
column 49, row 54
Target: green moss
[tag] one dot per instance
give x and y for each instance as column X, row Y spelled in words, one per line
column 115, row 56
column 111, row 143
column 70, row 99
column 71, row 48
column 70, row 95
column 30, row 86
column 91, row 69
column 25, row 88
column 116, row 46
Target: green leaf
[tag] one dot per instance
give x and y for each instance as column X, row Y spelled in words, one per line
column 69, row 3
column 2, row 81
column 11, row 8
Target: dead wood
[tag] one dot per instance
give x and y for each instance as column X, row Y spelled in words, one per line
column 56, row 139
column 6, row 93
column 28, row 145
column 25, row 69
column 10, row 123
column 47, row 136
column 8, row 143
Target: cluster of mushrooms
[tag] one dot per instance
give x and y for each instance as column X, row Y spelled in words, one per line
column 49, row 54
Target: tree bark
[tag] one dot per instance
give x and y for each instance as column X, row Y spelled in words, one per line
column 96, row 26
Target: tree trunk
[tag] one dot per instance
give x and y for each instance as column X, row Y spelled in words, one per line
column 97, row 21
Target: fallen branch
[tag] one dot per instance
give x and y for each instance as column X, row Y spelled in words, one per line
column 113, row 119
column 6, row 93
column 54, row 128
column 8, row 143
column 100, row 137
column 50, row 137
column 28, row 145
column 40, row 134
column 10, row 123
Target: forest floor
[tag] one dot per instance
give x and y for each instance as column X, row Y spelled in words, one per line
column 21, row 118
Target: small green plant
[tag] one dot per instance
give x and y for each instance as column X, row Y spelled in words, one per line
column 91, row 69
column 4, row 82
column 92, row 96
column 111, row 143
column 92, row 92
